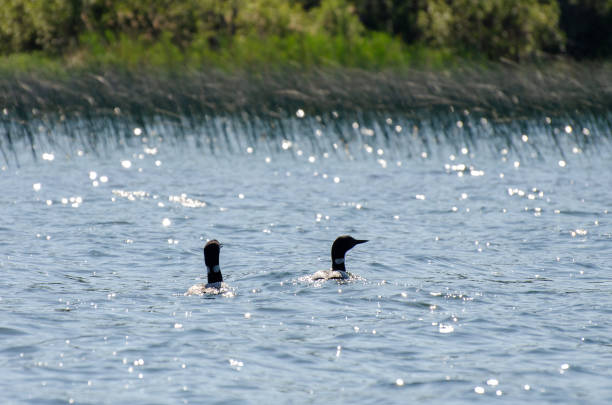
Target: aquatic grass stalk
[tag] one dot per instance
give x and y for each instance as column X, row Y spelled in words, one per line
column 230, row 111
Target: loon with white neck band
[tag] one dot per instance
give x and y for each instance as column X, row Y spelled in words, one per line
column 339, row 248
column 215, row 284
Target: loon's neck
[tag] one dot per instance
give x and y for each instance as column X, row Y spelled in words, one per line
column 214, row 274
column 338, row 264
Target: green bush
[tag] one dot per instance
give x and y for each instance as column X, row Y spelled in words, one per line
column 361, row 33
column 268, row 17
column 496, row 28
column 149, row 20
column 336, row 18
column 27, row 25
column 395, row 17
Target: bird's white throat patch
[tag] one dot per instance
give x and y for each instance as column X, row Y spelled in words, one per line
column 339, row 261
column 215, row 269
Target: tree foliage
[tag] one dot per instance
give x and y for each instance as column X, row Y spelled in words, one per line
column 588, row 27
column 50, row 25
column 515, row 29
column 495, row 28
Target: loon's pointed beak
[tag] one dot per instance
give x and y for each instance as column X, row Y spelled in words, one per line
column 357, row 242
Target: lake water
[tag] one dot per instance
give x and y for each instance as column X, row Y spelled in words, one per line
column 486, row 277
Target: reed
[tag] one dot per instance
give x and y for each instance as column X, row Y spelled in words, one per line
column 241, row 108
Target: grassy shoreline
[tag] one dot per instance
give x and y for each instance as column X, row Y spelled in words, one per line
column 408, row 109
column 496, row 91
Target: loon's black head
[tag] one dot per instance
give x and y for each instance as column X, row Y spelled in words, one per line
column 211, row 259
column 342, row 245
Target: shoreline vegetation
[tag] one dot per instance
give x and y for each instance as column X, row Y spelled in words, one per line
column 349, row 33
column 500, row 59
column 495, row 91
column 408, row 111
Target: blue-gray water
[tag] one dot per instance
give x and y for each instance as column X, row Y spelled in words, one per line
column 486, row 277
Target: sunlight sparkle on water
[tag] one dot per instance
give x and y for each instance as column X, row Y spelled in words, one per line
column 367, row 132
column 106, row 249
column 130, row 195
column 235, row 364
column 446, row 328
column 185, row 201
column 75, row 201
column 579, row 232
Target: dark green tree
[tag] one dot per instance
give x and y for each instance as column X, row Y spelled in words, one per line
column 395, row 17
column 50, row 25
column 588, row 27
column 496, row 28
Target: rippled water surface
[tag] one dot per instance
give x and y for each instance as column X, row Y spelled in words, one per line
column 486, row 277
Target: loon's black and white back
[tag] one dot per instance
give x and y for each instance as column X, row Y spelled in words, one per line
column 341, row 245
column 215, row 284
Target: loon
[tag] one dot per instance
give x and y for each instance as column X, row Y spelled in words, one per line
column 341, row 245
column 215, row 283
